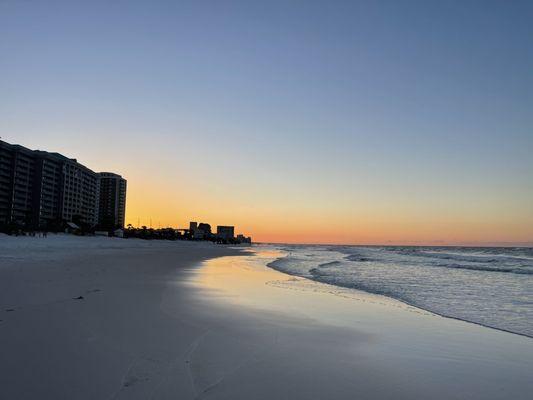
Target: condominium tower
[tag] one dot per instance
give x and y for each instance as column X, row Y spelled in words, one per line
column 39, row 189
column 112, row 205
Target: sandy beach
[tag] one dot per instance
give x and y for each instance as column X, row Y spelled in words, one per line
column 99, row 318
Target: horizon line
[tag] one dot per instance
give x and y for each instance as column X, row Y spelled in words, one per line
column 411, row 244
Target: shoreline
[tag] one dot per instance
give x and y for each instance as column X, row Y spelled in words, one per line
column 489, row 288
column 166, row 320
column 403, row 302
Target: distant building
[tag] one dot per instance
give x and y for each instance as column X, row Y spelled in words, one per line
column 112, row 204
column 225, row 232
column 243, row 239
column 205, row 228
column 194, row 232
column 202, row 231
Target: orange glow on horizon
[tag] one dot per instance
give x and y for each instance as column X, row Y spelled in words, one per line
column 290, row 224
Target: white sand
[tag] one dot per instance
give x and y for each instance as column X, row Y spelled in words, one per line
column 153, row 324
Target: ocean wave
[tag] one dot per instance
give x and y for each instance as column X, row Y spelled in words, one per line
column 458, row 285
column 394, row 256
column 489, row 256
column 329, row 264
column 523, row 269
column 357, row 257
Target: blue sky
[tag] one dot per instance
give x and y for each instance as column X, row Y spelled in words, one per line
column 418, row 113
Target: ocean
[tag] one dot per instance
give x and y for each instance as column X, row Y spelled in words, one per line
column 490, row 286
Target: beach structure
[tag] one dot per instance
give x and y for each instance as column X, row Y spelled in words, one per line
column 72, row 228
column 44, row 190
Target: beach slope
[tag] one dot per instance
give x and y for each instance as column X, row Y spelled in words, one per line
column 100, row 318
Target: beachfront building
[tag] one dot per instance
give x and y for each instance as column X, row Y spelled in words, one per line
column 204, row 228
column 203, row 231
column 17, row 172
column 79, row 193
column 39, row 188
column 112, row 201
column 243, row 239
column 225, row 232
column 49, row 201
column 43, row 190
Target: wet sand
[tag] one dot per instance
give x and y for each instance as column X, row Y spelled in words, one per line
column 310, row 340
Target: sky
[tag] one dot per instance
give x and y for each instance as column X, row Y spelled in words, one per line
column 407, row 122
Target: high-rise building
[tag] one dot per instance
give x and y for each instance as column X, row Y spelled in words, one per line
column 112, row 205
column 17, row 174
column 39, row 189
column 47, row 186
column 78, row 189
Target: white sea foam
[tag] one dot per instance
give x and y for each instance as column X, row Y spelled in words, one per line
column 488, row 286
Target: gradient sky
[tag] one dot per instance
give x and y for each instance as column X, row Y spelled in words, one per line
column 297, row 121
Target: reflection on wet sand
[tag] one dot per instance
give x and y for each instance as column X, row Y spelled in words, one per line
column 394, row 350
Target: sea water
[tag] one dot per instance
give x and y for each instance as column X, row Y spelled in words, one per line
column 488, row 286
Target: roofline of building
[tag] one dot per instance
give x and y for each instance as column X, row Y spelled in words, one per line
column 43, row 153
column 110, row 175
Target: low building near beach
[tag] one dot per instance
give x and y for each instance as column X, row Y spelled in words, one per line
column 72, row 228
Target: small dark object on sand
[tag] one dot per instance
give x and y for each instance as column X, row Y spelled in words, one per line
column 78, row 298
